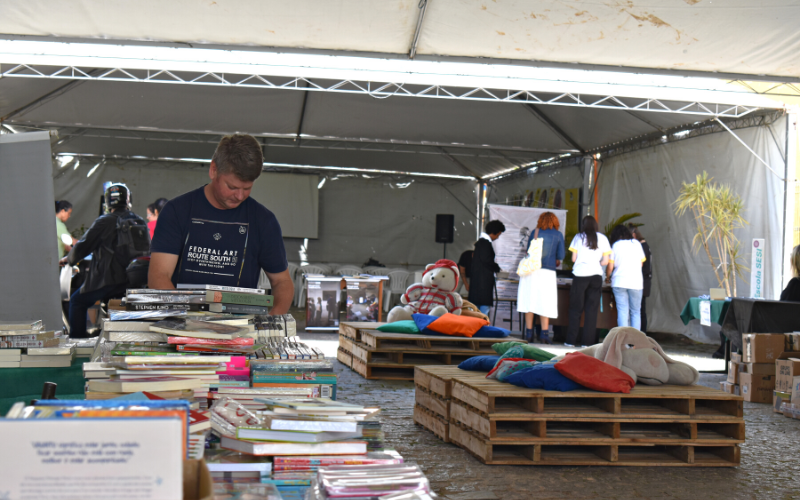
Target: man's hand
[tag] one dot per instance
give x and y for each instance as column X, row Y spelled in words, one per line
column 162, row 265
column 282, row 292
column 64, row 261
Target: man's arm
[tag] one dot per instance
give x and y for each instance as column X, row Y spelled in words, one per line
column 464, row 278
column 282, row 291
column 162, row 265
column 90, row 242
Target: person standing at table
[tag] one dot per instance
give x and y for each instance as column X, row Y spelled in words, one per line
column 481, row 289
column 63, row 213
column 647, row 272
column 590, row 251
column 218, row 234
column 538, row 292
column 624, row 272
column 465, row 267
column 153, row 210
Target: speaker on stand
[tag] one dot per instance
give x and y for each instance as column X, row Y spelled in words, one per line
column 445, row 229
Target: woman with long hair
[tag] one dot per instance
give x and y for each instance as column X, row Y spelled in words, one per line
column 590, row 251
column 647, row 272
column 538, row 292
column 624, row 272
column 792, row 291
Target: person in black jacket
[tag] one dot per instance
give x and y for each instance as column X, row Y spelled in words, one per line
column 481, row 286
column 792, row 291
column 647, row 272
column 106, row 277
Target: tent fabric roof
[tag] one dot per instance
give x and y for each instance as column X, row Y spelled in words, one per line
column 735, row 36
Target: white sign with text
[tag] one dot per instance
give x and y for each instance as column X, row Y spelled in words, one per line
column 92, row 459
column 757, row 269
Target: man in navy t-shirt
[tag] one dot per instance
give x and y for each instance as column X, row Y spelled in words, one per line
column 218, row 235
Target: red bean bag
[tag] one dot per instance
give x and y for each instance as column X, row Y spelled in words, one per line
column 595, row 374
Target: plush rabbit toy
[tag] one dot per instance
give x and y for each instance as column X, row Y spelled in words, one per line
column 642, row 358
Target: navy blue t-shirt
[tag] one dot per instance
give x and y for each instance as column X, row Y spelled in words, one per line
column 219, row 247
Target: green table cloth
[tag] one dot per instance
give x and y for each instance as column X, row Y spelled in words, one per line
column 24, row 384
column 692, row 310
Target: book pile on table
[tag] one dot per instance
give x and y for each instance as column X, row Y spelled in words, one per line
column 216, row 299
column 26, row 344
column 232, row 466
column 299, row 372
column 295, row 427
column 371, row 481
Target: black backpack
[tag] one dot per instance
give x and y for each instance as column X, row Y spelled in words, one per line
column 132, row 239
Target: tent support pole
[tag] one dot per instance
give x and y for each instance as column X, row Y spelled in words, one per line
column 789, row 195
column 423, row 6
column 588, row 174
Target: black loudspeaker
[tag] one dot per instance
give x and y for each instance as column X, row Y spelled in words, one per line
column 445, row 226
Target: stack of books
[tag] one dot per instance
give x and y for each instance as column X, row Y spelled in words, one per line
column 26, row 344
column 294, row 475
column 216, row 299
column 371, row 481
column 288, row 373
column 170, row 377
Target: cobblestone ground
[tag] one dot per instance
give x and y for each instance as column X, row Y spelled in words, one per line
column 770, row 458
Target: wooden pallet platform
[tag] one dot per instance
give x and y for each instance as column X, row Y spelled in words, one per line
column 406, row 342
column 501, row 401
column 572, row 454
column 432, row 422
column 411, row 357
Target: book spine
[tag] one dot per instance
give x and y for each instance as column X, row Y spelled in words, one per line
column 16, row 338
column 221, row 288
column 252, row 299
column 149, row 291
column 29, row 343
column 237, row 308
column 146, row 306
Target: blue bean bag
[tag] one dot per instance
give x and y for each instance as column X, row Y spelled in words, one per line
column 479, row 363
column 543, row 376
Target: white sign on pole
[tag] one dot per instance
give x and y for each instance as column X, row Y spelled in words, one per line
column 705, row 313
column 757, row 269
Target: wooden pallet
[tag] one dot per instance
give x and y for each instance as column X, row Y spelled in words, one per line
column 501, row 401
column 353, row 329
column 411, row 357
column 439, row 379
column 432, row 402
column 432, row 422
column 570, row 454
column 409, row 342
column 344, row 357
column 609, row 430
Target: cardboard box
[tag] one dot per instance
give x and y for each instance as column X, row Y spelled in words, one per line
column 197, row 482
column 778, row 398
column 786, row 368
column 736, row 357
column 757, row 368
column 762, row 347
column 733, row 372
column 729, row 388
column 792, row 342
column 757, row 388
column 796, row 391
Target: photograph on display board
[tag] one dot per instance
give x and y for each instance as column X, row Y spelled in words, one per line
column 322, row 304
column 362, row 301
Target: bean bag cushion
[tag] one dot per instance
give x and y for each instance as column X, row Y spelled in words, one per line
column 405, row 326
column 491, row 332
column 479, row 363
column 543, row 376
column 528, row 351
column 505, row 367
column 595, row 374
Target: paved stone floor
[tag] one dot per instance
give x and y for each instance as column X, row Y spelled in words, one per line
column 770, row 466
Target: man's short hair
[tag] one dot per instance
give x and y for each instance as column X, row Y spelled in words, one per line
column 494, row 227
column 241, row 155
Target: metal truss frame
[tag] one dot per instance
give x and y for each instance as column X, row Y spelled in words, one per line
column 674, row 134
column 377, row 89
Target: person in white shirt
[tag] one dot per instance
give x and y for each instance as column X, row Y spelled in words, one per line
column 624, row 272
column 590, row 251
